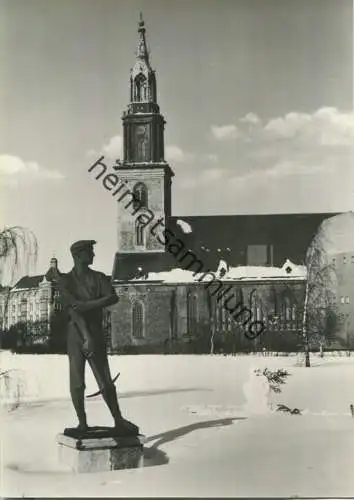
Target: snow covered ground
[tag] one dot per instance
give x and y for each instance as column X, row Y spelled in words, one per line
column 203, row 439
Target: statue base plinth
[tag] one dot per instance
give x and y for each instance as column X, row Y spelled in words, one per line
column 101, row 452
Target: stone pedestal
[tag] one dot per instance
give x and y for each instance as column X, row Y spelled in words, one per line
column 100, row 453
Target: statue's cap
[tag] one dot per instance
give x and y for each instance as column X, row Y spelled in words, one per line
column 81, row 245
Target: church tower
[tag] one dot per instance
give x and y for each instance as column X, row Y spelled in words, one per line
column 143, row 170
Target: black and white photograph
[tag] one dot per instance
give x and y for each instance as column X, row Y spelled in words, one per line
column 176, row 248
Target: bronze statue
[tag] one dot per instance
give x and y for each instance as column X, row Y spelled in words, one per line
column 84, row 294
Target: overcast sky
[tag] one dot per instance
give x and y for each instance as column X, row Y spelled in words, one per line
column 257, row 95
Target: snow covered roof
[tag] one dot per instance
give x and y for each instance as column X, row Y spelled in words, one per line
column 186, row 228
column 173, row 276
column 288, row 271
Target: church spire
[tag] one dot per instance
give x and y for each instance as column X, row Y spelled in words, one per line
column 143, row 123
column 142, row 51
column 142, row 77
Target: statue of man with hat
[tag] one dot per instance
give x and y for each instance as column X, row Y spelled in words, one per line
column 85, row 293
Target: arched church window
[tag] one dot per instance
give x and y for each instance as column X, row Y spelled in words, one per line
column 287, row 308
column 192, row 313
column 142, row 143
column 255, row 305
column 139, row 233
column 145, row 91
column 293, row 313
column 141, row 88
column 138, row 320
column 220, row 317
column 140, row 194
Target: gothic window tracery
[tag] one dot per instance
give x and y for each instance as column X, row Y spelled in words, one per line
column 287, row 309
column 223, row 317
column 255, row 305
column 293, row 313
column 141, row 88
column 289, row 312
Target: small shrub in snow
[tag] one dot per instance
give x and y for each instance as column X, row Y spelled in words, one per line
column 286, row 409
column 275, row 378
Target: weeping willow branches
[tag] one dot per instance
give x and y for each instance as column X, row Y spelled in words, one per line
column 18, row 253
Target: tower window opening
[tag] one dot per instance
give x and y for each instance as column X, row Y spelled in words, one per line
column 141, row 89
column 140, row 194
column 139, row 233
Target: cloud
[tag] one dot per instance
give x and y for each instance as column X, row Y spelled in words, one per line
column 114, row 147
column 212, row 174
column 293, row 144
column 13, row 170
column 288, row 126
column 91, row 153
column 251, row 118
column 212, row 157
column 325, row 127
column 174, row 154
column 306, row 144
column 224, row 132
column 294, row 162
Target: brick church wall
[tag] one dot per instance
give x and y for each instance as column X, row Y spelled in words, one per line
column 185, row 311
column 156, row 303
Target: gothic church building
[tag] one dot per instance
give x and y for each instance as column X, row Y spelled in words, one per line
column 164, row 304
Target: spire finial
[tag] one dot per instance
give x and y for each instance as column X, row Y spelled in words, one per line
column 54, row 262
column 141, row 20
column 142, row 51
